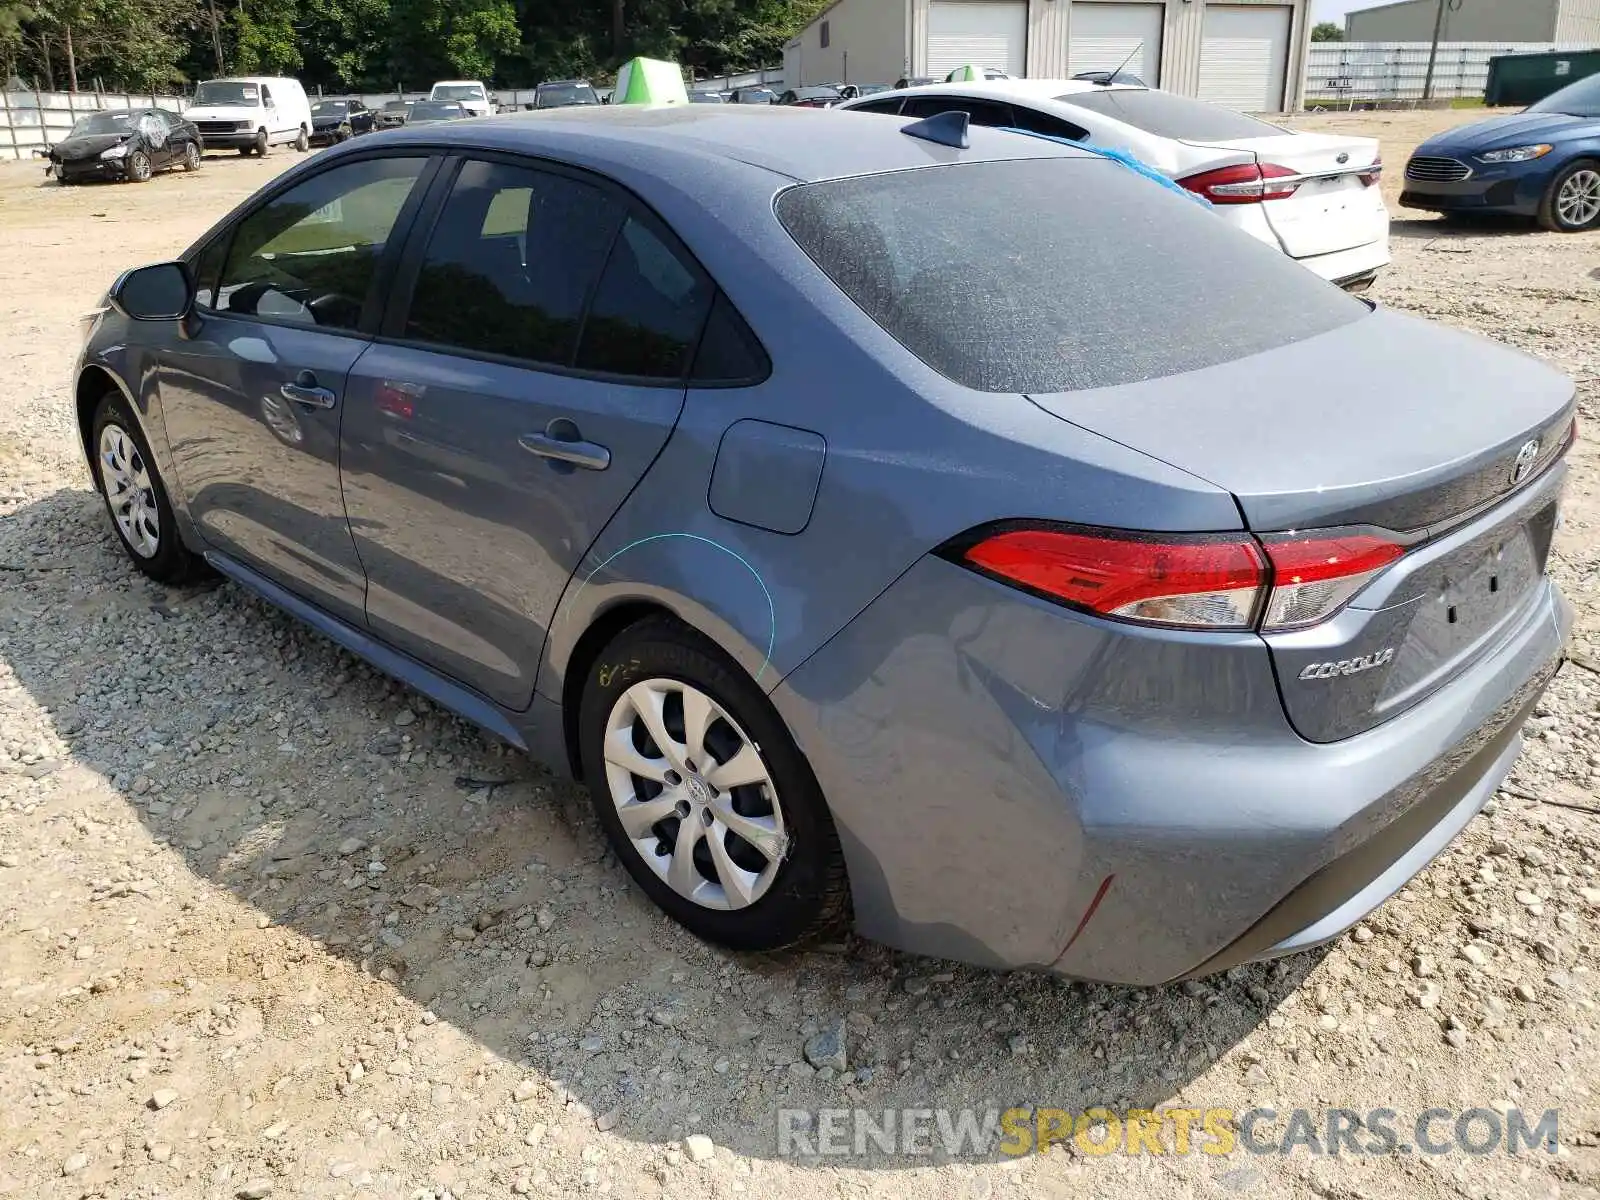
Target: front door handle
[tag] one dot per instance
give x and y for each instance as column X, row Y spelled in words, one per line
column 588, row 455
column 304, row 390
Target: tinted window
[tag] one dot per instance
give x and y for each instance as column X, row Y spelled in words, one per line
column 1167, row 115
column 729, row 352
column 648, row 311
column 878, row 106
column 1035, row 121
column 309, row 255
column 511, row 263
column 982, row 112
column 437, row 110
column 1581, row 99
column 1047, row 275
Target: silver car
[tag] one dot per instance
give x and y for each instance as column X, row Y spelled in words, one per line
column 941, row 531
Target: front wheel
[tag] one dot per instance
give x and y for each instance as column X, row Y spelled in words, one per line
column 1571, row 203
column 704, row 795
column 263, row 144
column 135, row 497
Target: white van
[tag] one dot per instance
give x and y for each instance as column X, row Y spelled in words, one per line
column 469, row 93
column 251, row 113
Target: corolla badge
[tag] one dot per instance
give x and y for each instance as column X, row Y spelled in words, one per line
column 1349, row 666
column 1526, row 457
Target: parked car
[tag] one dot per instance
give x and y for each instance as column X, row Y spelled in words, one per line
column 251, row 115
column 752, row 95
column 1315, row 196
column 564, row 93
column 428, row 112
column 393, row 114
column 471, row 94
column 707, row 98
column 339, row 120
column 1134, row 586
column 915, row 81
column 130, row 146
column 1543, row 162
column 821, row 96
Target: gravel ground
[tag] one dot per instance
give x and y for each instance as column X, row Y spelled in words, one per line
column 272, row 924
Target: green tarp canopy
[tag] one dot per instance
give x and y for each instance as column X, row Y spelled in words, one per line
column 650, row 81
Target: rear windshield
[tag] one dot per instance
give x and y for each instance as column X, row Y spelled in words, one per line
column 1167, row 115
column 1050, row 275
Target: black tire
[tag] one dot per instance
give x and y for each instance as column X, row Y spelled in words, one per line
column 1551, row 216
column 346, row 133
column 246, row 151
column 809, row 897
column 172, row 562
column 191, row 156
column 263, row 144
column 303, row 142
column 139, row 169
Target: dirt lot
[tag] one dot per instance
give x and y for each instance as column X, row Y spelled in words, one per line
column 264, row 929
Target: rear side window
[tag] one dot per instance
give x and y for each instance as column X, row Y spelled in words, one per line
column 1168, row 115
column 729, row 353
column 1048, row 275
column 879, row 106
column 1035, row 121
column 647, row 312
column 981, row 112
column 511, row 263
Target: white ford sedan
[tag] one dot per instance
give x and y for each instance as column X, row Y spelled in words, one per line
column 1312, row 195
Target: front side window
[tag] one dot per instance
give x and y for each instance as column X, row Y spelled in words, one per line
column 648, row 310
column 309, row 255
column 511, row 263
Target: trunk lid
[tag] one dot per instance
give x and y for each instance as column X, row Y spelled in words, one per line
column 1387, row 422
column 1332, row 209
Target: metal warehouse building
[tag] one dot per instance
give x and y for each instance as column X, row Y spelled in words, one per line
column 1567, row 22
column 1247, row 54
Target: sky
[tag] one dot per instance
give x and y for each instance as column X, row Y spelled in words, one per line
column 1334, row 10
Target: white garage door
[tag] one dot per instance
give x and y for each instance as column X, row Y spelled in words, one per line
column 1103, row 37
column 1243, row 56
column 983, row 33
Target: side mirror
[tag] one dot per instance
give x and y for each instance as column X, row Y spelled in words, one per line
column 162, row 292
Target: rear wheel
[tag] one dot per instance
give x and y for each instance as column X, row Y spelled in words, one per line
column 138, row 168
column 1572, row 201
column 191, row 157
column 303, row 142
column 135, row 497
column 703, row 794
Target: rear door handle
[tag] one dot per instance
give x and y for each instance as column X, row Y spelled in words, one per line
column 589, row 455
column 304, row 390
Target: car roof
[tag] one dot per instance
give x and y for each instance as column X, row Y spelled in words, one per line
column 674, row 142
column 1018, row 89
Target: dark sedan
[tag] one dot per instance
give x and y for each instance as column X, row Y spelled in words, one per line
column 426, row 112
column 811, row 97
column 1543, row 162
column 339, row 120
column 394, row 114
column 130, row 146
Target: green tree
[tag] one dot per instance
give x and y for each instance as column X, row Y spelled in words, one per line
column 434, row 39
column 268, row 37
column 1327, row 31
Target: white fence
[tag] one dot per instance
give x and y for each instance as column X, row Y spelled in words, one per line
column 32, row 121
column 1343, row 74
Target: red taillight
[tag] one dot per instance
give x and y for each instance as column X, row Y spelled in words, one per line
column 1313, row 576
column 1247, row 183
column 1202, row 583
column 1373, row 173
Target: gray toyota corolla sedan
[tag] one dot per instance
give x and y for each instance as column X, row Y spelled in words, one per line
column 946, row 532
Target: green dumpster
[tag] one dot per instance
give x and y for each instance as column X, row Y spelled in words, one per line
column 1516, row 80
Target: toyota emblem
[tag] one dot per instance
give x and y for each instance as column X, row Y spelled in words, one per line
column 1525, row 460
column 1343, row 158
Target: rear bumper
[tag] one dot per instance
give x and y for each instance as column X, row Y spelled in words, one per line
column 1347, row 267
column 1018, row 786
column 1514, row 190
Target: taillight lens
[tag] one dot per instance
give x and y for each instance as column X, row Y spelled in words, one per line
column 1313, row 576
column 1203, row 582
column 1372, row 174
column 1200, row 583
column 1247, row 183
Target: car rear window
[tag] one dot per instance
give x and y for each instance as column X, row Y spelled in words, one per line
column 1049, row 275
column 1167, row 115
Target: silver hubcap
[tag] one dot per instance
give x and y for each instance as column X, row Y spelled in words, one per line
column 1578, row 202
column 693, row 794
column 128, row 491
